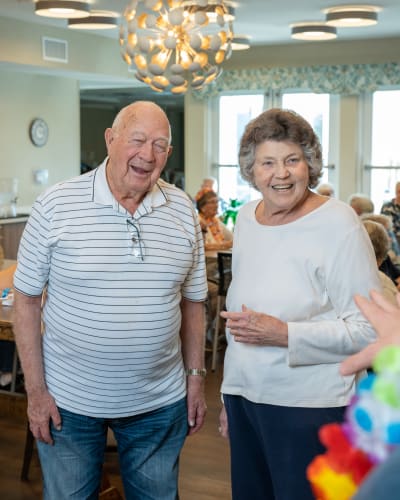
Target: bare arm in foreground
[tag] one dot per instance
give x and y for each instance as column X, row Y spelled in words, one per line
column 385, row 318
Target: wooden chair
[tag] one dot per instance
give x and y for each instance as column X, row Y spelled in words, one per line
column 28, row 452
column 224, row 261
column 108, row 492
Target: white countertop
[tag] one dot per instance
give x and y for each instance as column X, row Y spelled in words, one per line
column 14, row 220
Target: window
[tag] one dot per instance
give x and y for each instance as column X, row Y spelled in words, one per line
column 235, row 111
column 385, row 151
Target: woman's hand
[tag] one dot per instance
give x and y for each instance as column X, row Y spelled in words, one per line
column 251, row 327
column 223, row 423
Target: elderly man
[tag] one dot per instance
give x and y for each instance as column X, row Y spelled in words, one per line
column 120, row 254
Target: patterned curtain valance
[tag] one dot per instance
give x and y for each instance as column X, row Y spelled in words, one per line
column 346, row 79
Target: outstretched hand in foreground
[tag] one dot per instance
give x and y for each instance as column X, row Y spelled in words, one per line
column 385, row 318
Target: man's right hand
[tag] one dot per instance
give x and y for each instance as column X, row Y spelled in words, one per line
column 42, row 410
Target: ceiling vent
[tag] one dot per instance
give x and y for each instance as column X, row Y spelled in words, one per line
column 54, row 49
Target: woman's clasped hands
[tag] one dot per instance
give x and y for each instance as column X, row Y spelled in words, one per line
column 252, row 327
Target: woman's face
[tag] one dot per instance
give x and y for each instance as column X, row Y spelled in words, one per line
column 210, row 208
column 281, row 174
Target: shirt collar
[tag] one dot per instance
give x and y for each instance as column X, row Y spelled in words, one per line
column 102, row 194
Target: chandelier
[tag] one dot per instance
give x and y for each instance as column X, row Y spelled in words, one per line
column 173, row 45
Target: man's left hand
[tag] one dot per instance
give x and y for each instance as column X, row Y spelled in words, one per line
column 196, row 403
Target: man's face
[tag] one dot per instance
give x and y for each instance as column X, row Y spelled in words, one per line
column 138, row 150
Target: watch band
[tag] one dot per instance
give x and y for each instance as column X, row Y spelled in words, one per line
column 202, row 372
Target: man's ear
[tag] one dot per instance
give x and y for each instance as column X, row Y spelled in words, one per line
column 170, row 148
column 108, row 136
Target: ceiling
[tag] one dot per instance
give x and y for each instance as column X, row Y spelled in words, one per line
column 265, row 21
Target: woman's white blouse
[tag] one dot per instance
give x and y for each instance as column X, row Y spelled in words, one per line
column 305, row 273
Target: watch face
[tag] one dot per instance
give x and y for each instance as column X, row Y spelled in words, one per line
column 39, row 132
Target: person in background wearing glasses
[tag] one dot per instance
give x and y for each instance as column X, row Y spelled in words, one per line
column 217, row 236
column 121, row 253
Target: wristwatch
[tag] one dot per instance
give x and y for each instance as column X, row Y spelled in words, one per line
column 201, row 372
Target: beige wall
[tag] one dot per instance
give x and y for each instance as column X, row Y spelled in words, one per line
column 32, row 87
column 88, row 55
column 56, row 100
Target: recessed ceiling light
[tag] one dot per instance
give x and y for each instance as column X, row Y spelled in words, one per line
column 98, row 20
column 240, row 42
column 313, row 31
column 62, row 9
column 352, row 16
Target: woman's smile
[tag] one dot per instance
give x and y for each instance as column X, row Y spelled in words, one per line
column 282, row 187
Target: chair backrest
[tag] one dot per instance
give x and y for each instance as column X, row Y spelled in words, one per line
column 224, row 260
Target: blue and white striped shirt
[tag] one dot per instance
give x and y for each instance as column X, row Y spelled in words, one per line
column 111, row 341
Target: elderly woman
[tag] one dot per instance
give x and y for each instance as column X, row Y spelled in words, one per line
column 298, row 259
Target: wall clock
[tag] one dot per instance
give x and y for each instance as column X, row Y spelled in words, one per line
column 38, row 132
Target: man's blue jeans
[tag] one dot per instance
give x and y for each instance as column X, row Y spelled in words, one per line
column 148, row 447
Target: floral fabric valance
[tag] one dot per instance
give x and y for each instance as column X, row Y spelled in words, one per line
column 346, row 79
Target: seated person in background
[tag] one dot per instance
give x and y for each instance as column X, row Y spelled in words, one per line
column 326, row 189
column 216, row 237
column 392, row 209
column 381, row 243
column 386, row 221
column 391, row 270
column 6, row 346
column 388, row 267
column 361, row 204
column 211, row 184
